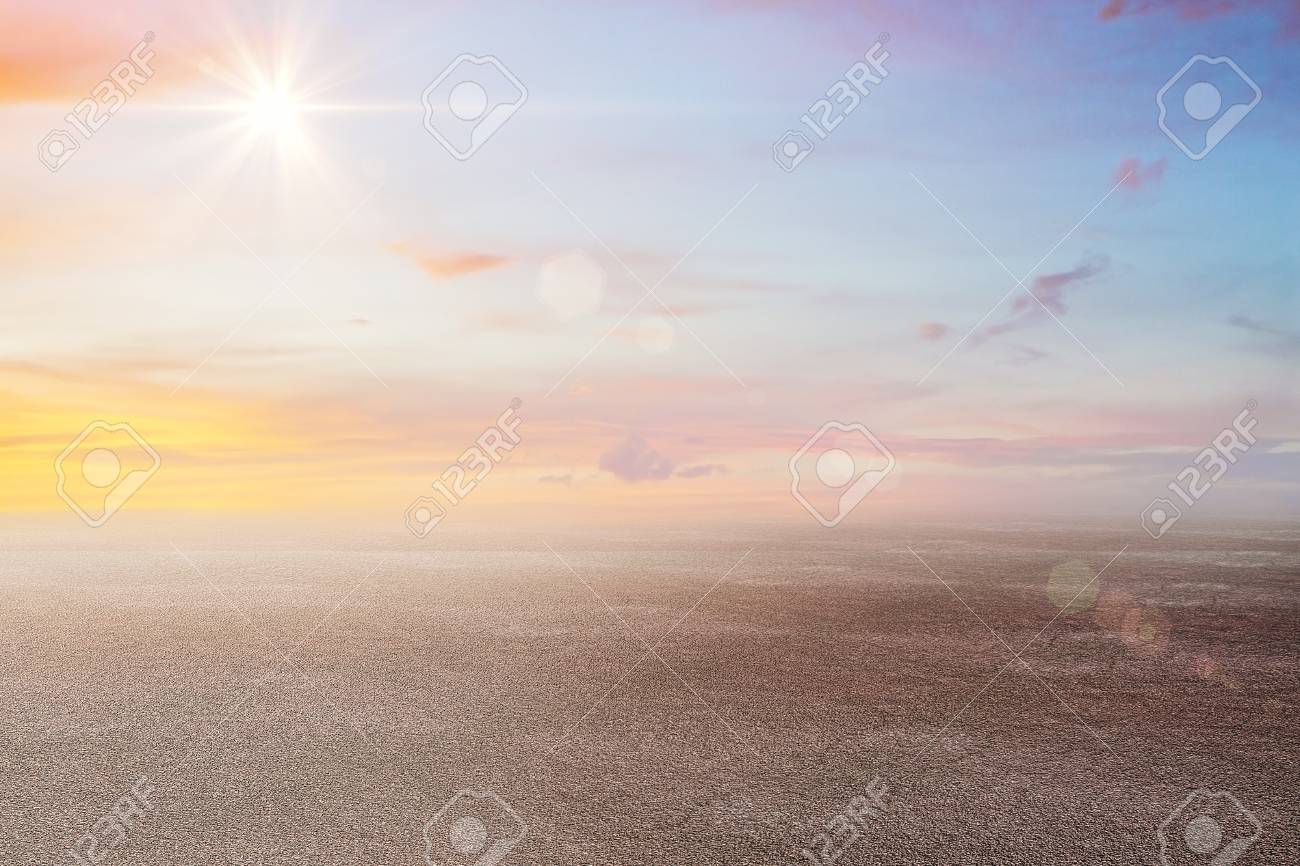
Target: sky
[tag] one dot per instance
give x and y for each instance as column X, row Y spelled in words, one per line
column 997, row 262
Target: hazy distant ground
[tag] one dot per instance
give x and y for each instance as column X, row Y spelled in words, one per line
column 823, row 660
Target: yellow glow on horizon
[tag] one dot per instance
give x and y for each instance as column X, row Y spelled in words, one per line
column 240, row 453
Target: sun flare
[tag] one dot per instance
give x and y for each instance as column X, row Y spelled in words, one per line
column 274, row 111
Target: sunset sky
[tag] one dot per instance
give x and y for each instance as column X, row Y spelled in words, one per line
column 324, row 312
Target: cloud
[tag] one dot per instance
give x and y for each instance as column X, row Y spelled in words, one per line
column 566, row 479
column 50, row 57
column 55, row 51
column 1132, row 174
column 513, row 322
column 634, row 460
column 1028, row 355
column 741, row 285
column 679, row 311
column 1048, row 293
column 1271, row 338
column 702, row 470
column 1285, row 12
column 449, row 265
column 932, row 330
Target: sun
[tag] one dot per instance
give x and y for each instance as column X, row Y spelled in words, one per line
column 274, row 111
column 274, row 105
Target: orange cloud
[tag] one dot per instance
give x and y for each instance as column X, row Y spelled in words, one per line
column 53, row 51
column 44, row 57
column 450, row 265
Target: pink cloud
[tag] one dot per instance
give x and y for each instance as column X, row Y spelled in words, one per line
column 634, row 460
column 932, row 330
column 702, row 470
column 1132, row 174
column 1048, row 293
column 1286, row 12
column 1111, row 10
